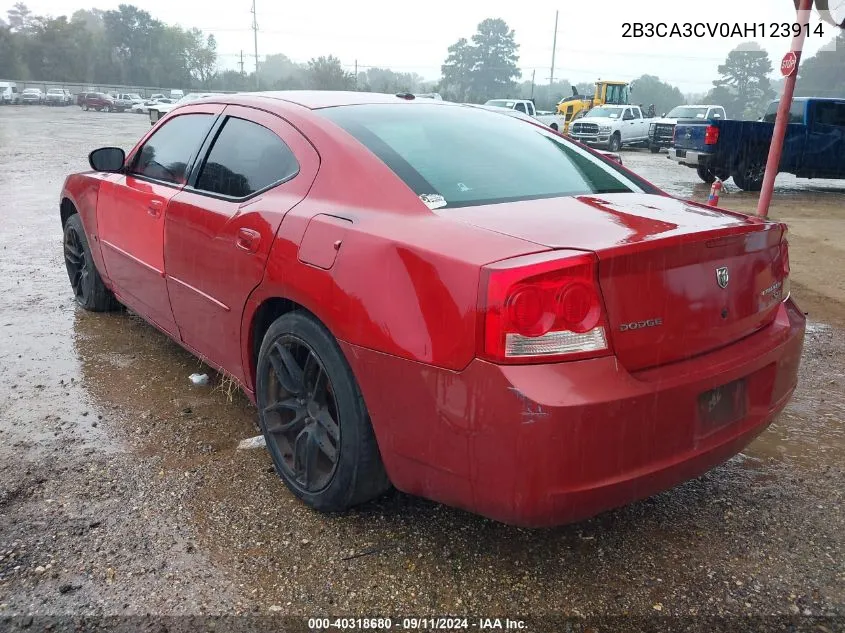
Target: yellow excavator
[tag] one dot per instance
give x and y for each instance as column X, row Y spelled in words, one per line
column 574, row 107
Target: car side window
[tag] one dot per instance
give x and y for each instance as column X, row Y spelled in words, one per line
column 166, row 153
column 246, row 157
column 830, row 113
column 520, row 107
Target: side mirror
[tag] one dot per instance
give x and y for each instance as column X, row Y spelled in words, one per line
column 107, row 159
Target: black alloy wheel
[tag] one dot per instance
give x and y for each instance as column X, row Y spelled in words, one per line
column 78, row 265
column 301, row 414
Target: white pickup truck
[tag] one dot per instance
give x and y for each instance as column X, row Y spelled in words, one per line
column 611, row 127
column 526, row 106
column 661, row 132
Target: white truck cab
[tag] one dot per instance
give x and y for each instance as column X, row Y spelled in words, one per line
column 9, row 94
column 611, row 127
column 526, row 106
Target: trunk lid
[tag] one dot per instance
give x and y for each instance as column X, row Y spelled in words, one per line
column 662, row 267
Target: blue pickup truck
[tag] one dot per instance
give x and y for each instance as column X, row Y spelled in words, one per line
column 814, row 146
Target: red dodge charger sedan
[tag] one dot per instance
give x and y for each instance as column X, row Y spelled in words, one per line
column 462, row 304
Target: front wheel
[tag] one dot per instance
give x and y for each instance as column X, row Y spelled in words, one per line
column 614, row 143
column 654, row 149
column 313, row 417
column 88, row 288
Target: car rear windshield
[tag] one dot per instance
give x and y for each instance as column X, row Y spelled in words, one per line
column 471, row 156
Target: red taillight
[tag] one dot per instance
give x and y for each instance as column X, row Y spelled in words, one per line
column 541, row 308
column 711, row 135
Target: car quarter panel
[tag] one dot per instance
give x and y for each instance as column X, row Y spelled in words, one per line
column 404, row 280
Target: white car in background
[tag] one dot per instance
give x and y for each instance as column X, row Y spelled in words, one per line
column 160, row 109
column 144, row 106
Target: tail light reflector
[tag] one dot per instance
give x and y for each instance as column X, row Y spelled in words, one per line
column 711, row 135
column 542, row 308
column 784, row 258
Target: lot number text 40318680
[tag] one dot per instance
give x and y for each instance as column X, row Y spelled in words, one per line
column 719, row 29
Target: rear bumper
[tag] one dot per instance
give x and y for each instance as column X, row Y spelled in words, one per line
column 688, row 157
column 543, row 445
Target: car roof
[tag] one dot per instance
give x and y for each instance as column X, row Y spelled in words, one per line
column 316, row 99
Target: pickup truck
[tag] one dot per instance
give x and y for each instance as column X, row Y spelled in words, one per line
column 661, row 132
column 814, row 144
column 125, row 101
column 611, row 127
column 526, row 106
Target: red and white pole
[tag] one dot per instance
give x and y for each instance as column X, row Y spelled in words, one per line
column 789, row 68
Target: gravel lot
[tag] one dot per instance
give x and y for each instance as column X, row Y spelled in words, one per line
column 122, row 491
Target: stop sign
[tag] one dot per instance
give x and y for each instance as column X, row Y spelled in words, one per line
column 789, row 64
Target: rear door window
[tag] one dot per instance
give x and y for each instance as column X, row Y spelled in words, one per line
column 246, row 158
column 167, row 153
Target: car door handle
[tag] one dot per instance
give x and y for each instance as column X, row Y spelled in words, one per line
column 154, row 208
column 248, row 240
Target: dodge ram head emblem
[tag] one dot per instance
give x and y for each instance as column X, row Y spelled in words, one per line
column 722, row 276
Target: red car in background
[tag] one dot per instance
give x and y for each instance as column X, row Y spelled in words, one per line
column 97, row 101
column 459, row 303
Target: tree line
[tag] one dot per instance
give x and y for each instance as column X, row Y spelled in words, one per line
column 128, row 46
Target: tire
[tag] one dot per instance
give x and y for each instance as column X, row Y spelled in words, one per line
column 654, row 149
column 85, row 107
column 319, row 413
column 554, row 126
column 615, row 142
column 107, row 109
column 748, row 174
column 88, row 288
column 706, row 174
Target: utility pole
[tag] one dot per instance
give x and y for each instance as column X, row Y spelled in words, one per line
column 554, row 50
column 356, row 74
column 775, row 149
column 255, row 35
column 241, row 63
column 533, row 72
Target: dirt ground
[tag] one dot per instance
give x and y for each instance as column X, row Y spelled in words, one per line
column 122, row 491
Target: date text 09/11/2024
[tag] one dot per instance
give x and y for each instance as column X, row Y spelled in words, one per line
column 411, row 624
column 719, row 29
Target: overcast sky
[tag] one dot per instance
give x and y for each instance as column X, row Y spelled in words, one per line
column 414, row 36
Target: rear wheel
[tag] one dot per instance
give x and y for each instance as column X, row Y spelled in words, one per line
column 88, row 288
column 655, row 149
column 748, row 174
column 614, row 143
column 314, row 418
